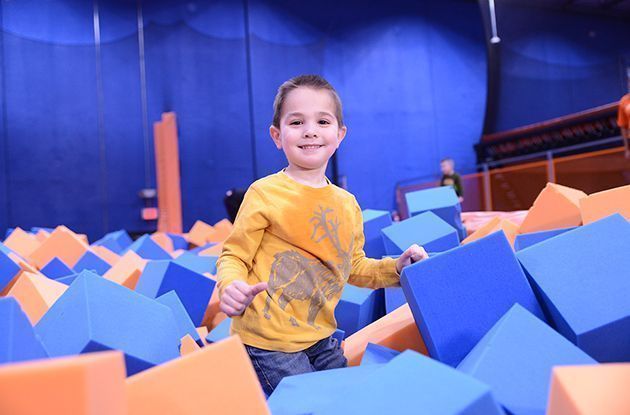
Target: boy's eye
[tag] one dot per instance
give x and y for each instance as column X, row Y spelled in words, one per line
column 295, row 122
column 324, row 122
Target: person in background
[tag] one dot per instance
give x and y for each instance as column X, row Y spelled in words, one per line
column 451, row 178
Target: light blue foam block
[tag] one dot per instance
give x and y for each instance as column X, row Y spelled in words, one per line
column 198, row 263
column 457, row 296
column 525, row 240
column 56, row 269
column 358, row 307
column 375, row 353
column 442, row 201
column 8, row 270
column 306, row 393
column 516, row 358
column 220, row 332
column 92, row 262
column 147, row 248
column 192, row 288
column 116, row 242
column 185, row 325
column 414, row 384
column 426, row 230
column 582, row 278
column 97, row 314
column 373, row 222
column 18, row 341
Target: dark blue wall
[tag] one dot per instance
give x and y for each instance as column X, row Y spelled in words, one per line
column 412, row 79
column 555, row 63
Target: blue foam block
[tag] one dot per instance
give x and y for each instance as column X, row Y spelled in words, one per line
column 525, row 240
column 373, row 222
column 116, row 242
column 339, row 334
column 426, row 230
column 411, row 384
column 92, row 262
column 18, row 342
column 193, row 289
column 56, row 268
column 97, row 314
column 358, row 307
column 582, row 278
column 202, row 248
column 375, row 353
column 69, row 279
column 179, row 242
column 185, row 325
column 198, row 263
column 220, row 332
column 8, row 270
column 8, row 232
column 4, row 249
column 394, row 298
column 147, row 248
column 457, row 296
column 309, row 392
column 442, row 201
column 516, row 357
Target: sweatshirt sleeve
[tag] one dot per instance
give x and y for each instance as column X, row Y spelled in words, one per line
column 240, row 247
column 369, row 272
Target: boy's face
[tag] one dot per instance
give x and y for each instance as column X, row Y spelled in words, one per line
column 309, row 132
column 446, row 167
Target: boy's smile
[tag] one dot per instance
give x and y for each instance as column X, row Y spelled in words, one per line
column 309, row 132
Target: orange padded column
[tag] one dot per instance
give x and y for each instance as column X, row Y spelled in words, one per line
column 167, row 172
column 555, row 207
column 217, row 379
column 396, row 330
column 89, row 384
column 590, row 390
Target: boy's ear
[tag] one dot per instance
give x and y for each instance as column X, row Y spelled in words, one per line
column 274, row 132
column 341, row 134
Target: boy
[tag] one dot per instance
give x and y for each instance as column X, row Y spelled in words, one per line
column 450, row 178
column 297, row 240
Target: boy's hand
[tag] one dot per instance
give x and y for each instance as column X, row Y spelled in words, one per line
column 412, row 255
column 238, row 295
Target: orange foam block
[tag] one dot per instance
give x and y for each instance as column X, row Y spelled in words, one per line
column 555, row 207
column 42, row 235
column 36, row 294
column 217, row 379
column 127, row 270
column 509, row 228
column 214, row 250
column 63, row 244
column 105, row 254
column 396, row 330
column 222, row 230
column 200, row 233
column 163, row 240
column 590, row 390
column 188, row 345
column 88, row 384
column 22, row 242
column 599, row 205
column 203, row 332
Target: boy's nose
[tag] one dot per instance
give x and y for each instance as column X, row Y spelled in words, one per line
column 310, row 133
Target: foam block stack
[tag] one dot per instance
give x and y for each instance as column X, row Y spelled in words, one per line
column 442, row 201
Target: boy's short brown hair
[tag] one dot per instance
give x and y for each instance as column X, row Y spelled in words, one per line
column 308, row 81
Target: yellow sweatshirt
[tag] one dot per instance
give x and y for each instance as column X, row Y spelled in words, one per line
column 306, row 243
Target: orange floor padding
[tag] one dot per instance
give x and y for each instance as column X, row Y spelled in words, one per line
column 396, row 330
column 555, row 207
column 36, row 293
column 599, row 205
column 217, row 379
column 590, row 390
column 63, row 244
column 89, row 384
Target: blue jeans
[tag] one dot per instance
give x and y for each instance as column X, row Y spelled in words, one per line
column 272, row 366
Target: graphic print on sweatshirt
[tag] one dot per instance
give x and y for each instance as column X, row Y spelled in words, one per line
column 295, row 277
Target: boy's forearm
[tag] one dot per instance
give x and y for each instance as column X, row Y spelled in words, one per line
column 229, row 269
column 374, row 273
